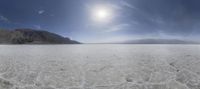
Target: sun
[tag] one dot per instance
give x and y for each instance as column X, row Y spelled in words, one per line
column 102, row 14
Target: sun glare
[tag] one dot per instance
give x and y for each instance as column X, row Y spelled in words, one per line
column 102, row 14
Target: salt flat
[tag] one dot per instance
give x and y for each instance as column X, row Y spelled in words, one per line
column 103, row 66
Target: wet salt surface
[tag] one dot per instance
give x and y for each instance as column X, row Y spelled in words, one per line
column 100, row 66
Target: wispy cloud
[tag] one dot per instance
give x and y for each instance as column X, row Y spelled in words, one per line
column 118, row 27
column 126, row 4
column 4, row 19
column 37, row 26
column 41, row 12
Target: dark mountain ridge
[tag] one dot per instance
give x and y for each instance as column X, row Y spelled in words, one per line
column 30, row 36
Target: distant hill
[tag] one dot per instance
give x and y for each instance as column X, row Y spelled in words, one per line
column 157, row 41
column 30, row 36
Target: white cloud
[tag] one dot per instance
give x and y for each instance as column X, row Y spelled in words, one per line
column 126, row 4
column 41, row 12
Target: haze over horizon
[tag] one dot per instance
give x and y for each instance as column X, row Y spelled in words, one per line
column 96, row 21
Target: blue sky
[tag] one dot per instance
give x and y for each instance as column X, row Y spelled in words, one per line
column 129, row 19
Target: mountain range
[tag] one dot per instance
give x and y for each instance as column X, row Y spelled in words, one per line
column 157, row 41
column 30, row 36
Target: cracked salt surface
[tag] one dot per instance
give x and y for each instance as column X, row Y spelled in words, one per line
column 99, row 67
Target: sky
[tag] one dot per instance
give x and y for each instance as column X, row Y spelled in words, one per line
column 96, row 21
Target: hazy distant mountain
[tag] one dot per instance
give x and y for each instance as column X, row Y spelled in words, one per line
column 30, row 36
column 158, row 41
